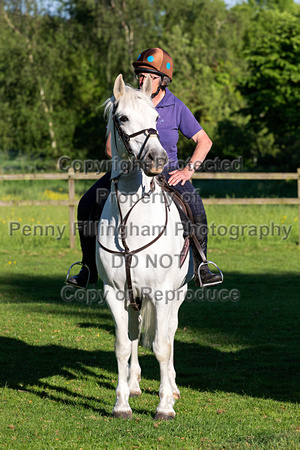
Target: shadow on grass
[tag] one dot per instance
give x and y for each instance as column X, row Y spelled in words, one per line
column 262, row 328
column 23, row 367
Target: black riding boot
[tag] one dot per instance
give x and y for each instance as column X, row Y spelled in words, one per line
column 200, row 230
column 88, row 247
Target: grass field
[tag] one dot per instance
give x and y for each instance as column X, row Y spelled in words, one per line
column 237, row 362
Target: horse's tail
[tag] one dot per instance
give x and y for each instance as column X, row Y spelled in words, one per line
column 148, row 323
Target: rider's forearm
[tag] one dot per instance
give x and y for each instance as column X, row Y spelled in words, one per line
column 203, row 146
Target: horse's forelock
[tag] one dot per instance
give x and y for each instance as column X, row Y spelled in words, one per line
column 132, row 95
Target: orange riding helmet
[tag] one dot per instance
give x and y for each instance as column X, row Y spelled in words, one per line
column 154, row 60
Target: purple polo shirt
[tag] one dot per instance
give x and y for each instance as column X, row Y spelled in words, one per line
column 174, row 116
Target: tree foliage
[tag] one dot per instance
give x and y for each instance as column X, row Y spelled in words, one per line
column 236, row 68
column 272, row 86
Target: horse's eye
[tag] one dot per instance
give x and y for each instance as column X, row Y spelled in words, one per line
column 124, row 119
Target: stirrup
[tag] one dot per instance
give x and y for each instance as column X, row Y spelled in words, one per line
column 214, row 282
column 78, row 263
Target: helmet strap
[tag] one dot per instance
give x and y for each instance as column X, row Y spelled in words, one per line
column 157, row 92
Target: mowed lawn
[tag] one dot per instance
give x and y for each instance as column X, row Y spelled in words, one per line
column 237, row 360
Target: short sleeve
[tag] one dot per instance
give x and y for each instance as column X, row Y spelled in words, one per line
column 188, row 125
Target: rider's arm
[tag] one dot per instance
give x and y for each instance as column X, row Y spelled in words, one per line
column 203, row 145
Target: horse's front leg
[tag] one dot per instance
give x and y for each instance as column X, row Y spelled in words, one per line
column 122, row 351
column 162, row 349
column 135, row 369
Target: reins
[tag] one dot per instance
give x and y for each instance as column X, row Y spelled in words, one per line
column 127, row 253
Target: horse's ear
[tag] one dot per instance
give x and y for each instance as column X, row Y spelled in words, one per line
column 147, row 86
column 119, row 87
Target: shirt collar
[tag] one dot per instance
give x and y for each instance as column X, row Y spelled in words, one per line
column 167, row 100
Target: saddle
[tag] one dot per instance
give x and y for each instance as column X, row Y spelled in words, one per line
column 187, row 219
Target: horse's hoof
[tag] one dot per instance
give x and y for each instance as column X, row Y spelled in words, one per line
column 162, row 416
column 176, row 396
column 122, row 414
column 135, row 394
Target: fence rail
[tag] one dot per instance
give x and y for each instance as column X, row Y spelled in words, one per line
column 72, row 176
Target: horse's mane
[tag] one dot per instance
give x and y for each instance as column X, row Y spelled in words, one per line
column 128, row 100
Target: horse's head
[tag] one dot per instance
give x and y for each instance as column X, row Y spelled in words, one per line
column 133, row 127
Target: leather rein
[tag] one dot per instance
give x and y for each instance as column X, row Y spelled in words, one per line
column 127, row 253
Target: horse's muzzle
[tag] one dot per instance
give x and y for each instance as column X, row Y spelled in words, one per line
column 154, row 162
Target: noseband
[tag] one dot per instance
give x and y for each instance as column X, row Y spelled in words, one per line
column 150, row 132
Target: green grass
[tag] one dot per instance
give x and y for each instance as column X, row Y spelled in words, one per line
column 34, row 228
column 40, row 189
column 255, row 225
column 237, row 363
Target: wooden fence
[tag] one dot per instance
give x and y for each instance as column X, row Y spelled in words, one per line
column 71, row 177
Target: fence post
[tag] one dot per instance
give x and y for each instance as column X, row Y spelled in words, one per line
column 71, row 185
column 298, row 183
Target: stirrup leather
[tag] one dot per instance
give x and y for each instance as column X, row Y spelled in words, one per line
column 205, row 263
column 78, row 263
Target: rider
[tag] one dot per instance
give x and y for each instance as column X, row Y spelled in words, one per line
column 174, row 116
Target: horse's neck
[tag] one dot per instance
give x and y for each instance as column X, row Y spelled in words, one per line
column 135, row 183
column 131, row 187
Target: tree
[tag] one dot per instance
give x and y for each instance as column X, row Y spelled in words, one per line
column 49, row 88
column 272, row 88
column 205, row 41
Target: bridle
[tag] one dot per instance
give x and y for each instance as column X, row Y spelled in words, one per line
column 150, row 132
column 127, row 253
